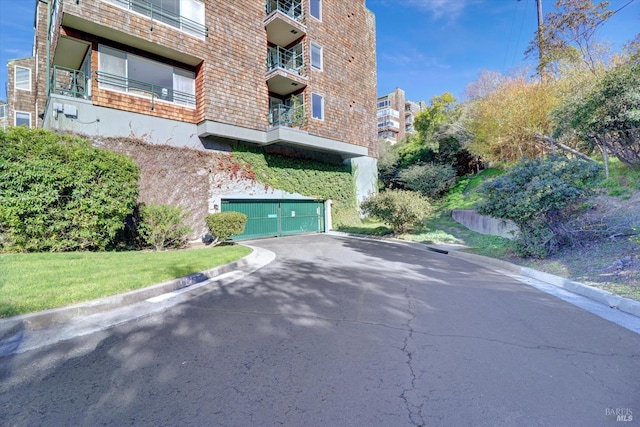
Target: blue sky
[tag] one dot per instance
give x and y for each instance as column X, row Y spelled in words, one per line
column 425, row 47
column 428, row 47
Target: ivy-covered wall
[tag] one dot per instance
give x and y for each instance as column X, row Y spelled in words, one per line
column 308, row 177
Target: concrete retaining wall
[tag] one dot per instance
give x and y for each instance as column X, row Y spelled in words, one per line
column 484, row 224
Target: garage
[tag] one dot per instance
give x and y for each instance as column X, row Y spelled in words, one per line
column 275, row 218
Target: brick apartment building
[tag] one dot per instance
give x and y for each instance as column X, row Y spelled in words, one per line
column 206, row 74
column 396, row 116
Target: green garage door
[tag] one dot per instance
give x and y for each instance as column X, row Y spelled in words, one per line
column 271, row 218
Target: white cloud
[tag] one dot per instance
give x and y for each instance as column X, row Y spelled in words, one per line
column 411, row 58
column 450, row 9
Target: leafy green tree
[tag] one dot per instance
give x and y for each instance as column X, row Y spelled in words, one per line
column 58, row 193
column 437, row 113
column 536, row 195
column 608, row 115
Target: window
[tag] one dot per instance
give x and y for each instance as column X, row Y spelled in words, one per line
column 315, row 7
column 23, row 119
column 316, row 56
column 383, row 103
column 317, row 106
column 126, row 72
column 23, row 78
column 187, row 15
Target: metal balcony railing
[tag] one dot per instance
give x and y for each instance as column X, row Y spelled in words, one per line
column 149, row 90
column 284, row 115
column 289, row 59
column 291, row 8
column 69, row 82
column 164, row 15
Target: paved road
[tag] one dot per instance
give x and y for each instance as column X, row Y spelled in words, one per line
column 340, row 332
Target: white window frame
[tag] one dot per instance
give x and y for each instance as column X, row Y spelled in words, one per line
column 16, row 85
column 15, row 118
column 314, row 97
column 319, row 17
column 319, row 49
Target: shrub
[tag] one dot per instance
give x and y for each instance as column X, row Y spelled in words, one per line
column 162, row 226
column 58, row 193
column 400, row 209
column 536, row 195
column 432, row 180
column 224, row 225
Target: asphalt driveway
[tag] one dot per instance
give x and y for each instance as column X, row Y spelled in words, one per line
column 339, row 332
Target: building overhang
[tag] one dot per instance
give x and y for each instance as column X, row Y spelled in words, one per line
column 281, row 135
column 87, row 26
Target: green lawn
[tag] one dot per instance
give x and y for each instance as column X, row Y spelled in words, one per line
column 38, row 281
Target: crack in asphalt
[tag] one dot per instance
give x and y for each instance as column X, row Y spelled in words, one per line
column 412, row 331
column 415, row 412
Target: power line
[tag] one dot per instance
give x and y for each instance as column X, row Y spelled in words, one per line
column 515, row 52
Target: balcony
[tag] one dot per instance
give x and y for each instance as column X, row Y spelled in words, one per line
column 285, row 70
column 389, row 125
column 289, row 116
column 172, row 17
column 284, row 22
column 69, row 82
column 145, row 89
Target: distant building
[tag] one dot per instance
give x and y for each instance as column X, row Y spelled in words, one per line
column 396, row 116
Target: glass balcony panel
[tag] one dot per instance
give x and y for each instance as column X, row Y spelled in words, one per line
column 289, row 59
column 289, row 116
column 171, row 12
column 145, row 89
column 291, row 8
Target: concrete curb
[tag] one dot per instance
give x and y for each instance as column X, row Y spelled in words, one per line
column 626, row 305
column 607, row 298
column 62, row 315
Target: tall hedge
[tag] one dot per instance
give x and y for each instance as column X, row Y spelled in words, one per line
column 58, row 193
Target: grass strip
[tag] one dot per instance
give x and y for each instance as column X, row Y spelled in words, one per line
column 38, row 281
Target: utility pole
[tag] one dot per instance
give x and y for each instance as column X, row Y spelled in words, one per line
column 539, row 37
column 540, row 28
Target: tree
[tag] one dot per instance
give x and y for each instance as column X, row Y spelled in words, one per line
column 568, row 34
column 428, row 120
column 504, row 123
column 610, row 114
column 441, row 137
